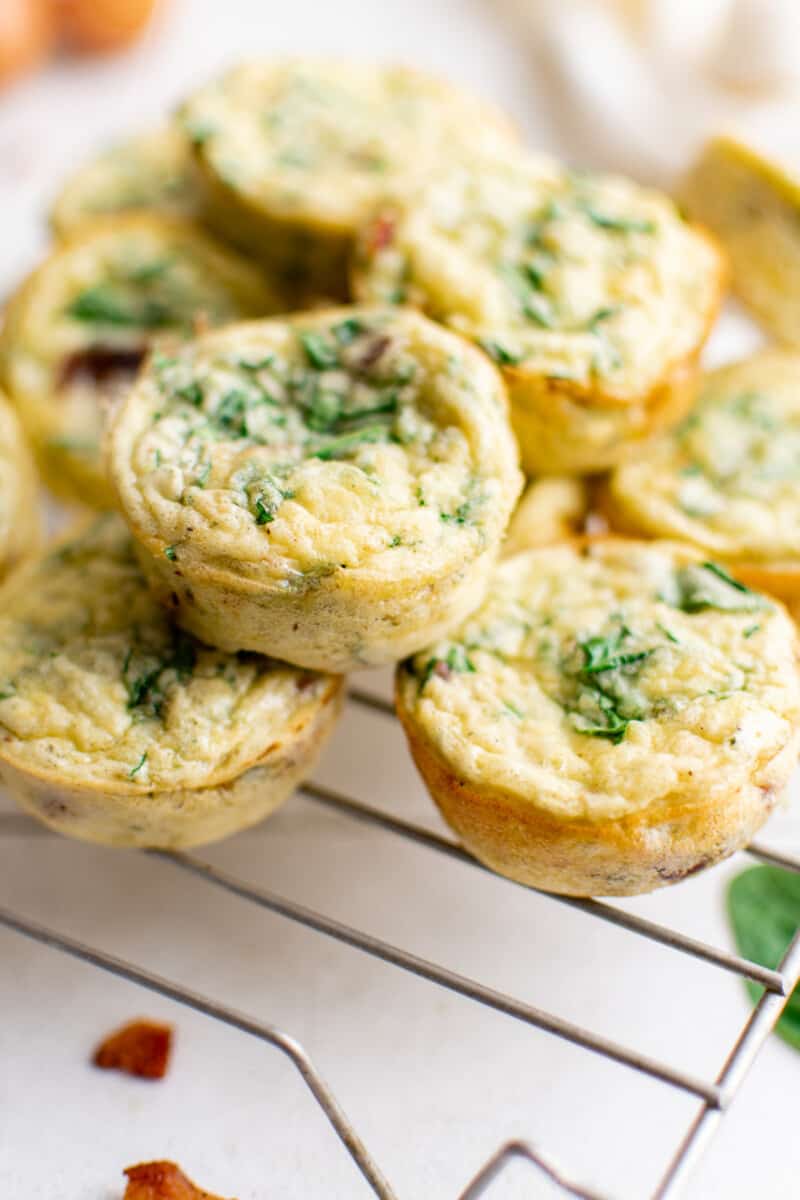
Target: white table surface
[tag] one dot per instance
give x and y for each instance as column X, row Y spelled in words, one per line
column 433, row 1082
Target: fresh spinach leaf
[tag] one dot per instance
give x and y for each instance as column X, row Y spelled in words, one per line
column 764, row 910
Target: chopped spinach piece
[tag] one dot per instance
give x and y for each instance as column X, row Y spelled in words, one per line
column 318, row 351
column 170, row 553
column 264, row 515
column 135, row 770
column 603, row 653
column 191, row 392
column 100, row 305
column 347, row 331
column 456, row 661
column 146, row 687
column 500, row 353
column 618, row 224
column 344, row 445
column 700, row 586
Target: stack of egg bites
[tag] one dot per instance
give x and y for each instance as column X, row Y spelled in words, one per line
column 294, row 347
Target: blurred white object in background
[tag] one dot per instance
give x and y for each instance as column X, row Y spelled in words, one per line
column 637, row 85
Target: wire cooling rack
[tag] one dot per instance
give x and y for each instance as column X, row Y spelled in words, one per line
column 714, row 1096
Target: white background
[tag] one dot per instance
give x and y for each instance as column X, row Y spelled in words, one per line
column 433, row 1083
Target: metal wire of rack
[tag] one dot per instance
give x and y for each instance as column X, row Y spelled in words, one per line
column 715, row 1096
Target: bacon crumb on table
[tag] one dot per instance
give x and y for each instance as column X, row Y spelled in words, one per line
column 162, row 1181
column 141, row 1048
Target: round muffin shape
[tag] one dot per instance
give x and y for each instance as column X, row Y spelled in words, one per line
column 752, row 204
column 591, row 294
column 78, row 329
column 726, row 479
column 616, row 716
column 20, row 519
column 153, row 172
column 117, row 727
column 331, row 488
column 293, row 154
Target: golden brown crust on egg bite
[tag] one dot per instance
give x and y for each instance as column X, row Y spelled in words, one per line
column 116, row 727
column 591, row 294
column 294, row 153
column 329, row 488
column 152, row 172
column 616, row 716
column 726, row 480
column 78, row 328
column 752, row 204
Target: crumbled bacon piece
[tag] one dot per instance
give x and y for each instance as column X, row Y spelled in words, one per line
column 381, row 233
column 141, row 1048
column 162, row 1181
column 100, row 365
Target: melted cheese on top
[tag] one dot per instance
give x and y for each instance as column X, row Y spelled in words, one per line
column 597, row 683
column 153, row 171
column 104, row 296
column 574, row 277
column 728, row 478
column 324, row 139
column 96, row 685
column 346, row 441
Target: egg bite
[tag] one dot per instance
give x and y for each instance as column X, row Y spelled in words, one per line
column 329, row 488
column 590, row 293
column 727, row 479
column 151, row 172
column 751, row 203
column 615, row 717
column 293, row 153
column 77, row 330
column 118, row 727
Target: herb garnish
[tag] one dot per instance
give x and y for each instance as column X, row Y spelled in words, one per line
column 100, row 305
column 264, row 515
column 603, row 706
column 349, row 441
column 500, row 353
column 707, row 585
column 135, row 770
column 457, row 661
column 146, row 688
column 617, row 224
column 319, row 352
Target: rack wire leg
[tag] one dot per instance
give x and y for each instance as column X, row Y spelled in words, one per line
column 228, row 1016
column 757, row 1029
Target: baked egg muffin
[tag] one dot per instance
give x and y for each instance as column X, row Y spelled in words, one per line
column 752, row 204
column 591, row 294
column 616, row 716
column 330, row 488
column 153, row 171
column 117, row 727
column 727, row 480
column 78, row 329
column 552, row 509
column 293, row 154
column 20, row 519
